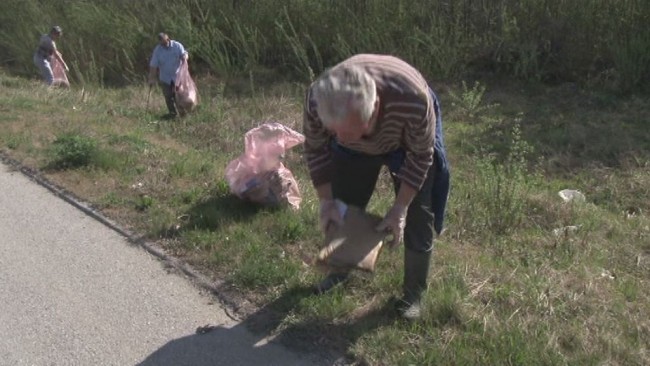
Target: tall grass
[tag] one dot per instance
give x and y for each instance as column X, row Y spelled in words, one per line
column 591, row 41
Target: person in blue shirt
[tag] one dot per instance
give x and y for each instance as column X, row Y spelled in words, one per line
column 166, row 59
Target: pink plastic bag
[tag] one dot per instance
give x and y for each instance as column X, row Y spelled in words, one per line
column 58, row 72
column 258, row 175
column 187, row 96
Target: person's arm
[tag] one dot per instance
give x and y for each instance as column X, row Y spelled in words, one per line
column 183, row 52
column 316, row 146
column 153, row 74
column 59, row 57
column 329, row 212
column 49, row 43
column 405, row 195
column 395, row 219
column 418, row 143
column 319, row 163
column 153, row 67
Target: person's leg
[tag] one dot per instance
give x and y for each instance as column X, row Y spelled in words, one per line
column 418, row 248
column 424, row 218
column 45, row 68
column 168, row 92
column 353, row 183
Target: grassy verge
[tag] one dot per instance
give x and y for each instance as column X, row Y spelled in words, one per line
column 519, row 277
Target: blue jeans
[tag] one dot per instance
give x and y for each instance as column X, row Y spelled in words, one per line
column 357, row 173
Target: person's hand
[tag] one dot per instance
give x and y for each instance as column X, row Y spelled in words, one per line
column 329, row 214
column 394, row 223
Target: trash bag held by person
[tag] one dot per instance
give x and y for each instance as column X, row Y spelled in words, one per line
column 367, row 112
column 49, row 60
column 187, row 96
column 165, row 62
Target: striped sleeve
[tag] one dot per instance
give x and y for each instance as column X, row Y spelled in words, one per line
column 317, row 153
column 418, row 121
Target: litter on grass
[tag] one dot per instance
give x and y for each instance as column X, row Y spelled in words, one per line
column 572, row 195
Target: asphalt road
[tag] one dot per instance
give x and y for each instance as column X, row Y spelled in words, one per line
column 75, row 292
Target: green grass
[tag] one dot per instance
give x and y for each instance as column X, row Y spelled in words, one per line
column 590, row 42
column 505, row 288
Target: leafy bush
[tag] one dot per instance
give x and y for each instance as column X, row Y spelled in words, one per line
column 73, row 151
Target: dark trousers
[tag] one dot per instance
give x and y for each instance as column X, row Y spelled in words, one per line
column 356, row 176
column 169, row 91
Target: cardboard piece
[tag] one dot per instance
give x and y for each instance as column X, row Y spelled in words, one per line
column 353, row 245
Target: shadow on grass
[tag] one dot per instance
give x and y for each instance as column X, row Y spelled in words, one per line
column 254, row 340
column 218, row 212
column 318, row 336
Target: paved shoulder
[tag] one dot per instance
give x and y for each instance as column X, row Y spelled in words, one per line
column 74, row 292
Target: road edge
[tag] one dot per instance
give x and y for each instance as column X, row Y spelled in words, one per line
column 231, row 307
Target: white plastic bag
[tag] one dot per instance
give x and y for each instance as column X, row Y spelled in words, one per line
column 571, row 195
column 187, row 96
column 258, row 175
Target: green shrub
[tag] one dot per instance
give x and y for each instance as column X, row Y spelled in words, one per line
column 73, row 151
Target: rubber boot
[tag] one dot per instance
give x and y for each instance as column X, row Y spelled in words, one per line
column 331, row 280
column 416, row 271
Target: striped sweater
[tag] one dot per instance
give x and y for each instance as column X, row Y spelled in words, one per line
column 406, row 120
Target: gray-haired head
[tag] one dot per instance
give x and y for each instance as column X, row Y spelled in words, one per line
column 56, row 30
column 342, row 91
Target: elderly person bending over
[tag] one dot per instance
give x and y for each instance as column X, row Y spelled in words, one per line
column 367, row 112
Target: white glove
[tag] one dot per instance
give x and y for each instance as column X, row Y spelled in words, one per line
column 330, row 213
column 394, row 222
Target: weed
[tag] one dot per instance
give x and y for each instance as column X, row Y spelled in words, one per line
column 15, row 140
column 629, row 288
column 144, row 202
column 497, row 191
column 470, row 101
column 73, row 150
column 111, row 199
